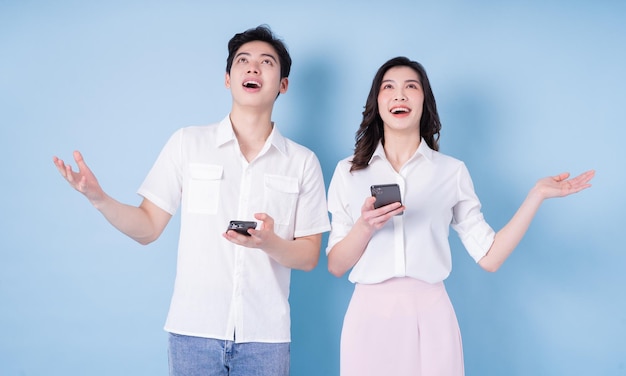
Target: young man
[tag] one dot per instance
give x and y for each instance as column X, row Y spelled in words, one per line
column 229, row 313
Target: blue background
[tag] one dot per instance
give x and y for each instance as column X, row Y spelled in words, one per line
column 525, row 89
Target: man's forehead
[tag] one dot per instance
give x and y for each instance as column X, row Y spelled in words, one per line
column 259, row 48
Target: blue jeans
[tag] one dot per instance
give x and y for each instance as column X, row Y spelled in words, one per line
column 196, row 356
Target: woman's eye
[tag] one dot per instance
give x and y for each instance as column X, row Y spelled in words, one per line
column 414, row 86
column 268, row 61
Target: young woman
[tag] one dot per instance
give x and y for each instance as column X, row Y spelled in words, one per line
column 400, row 320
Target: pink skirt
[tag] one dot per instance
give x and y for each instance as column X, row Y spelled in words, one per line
column 401, row 327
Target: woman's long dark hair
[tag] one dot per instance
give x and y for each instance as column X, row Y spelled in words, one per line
column 371, row 128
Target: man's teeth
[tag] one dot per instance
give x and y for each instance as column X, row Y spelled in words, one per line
column 251, row 84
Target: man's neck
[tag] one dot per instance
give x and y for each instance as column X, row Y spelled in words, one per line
column 252, row 128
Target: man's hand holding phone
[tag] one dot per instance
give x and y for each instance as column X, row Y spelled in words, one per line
column 241, row 227
column 246, row 233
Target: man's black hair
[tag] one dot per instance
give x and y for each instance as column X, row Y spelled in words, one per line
column 264, row 34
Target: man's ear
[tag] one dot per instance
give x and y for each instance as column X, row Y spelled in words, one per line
column 284, row 84
column 227, row 81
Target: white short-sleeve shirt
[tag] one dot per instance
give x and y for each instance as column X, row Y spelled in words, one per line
column 222, row 290
column 438, row 193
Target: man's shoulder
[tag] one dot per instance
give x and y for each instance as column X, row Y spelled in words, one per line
column 197, row 132
column 296, row 145
column 295, row 149
column 200, row 128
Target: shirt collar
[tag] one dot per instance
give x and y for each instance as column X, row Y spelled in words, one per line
column 423, row 149
column 225, row 134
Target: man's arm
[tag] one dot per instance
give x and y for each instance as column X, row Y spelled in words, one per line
column 144, row 223
column 301, row 253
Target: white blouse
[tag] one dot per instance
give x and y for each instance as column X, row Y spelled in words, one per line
column 437, row 192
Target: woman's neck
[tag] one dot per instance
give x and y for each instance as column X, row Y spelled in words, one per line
column 400, row 148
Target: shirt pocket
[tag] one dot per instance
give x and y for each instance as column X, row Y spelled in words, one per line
column 203, row 195
column 281, row 196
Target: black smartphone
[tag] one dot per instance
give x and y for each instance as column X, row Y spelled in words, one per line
column 241, row 226
column 385, row 194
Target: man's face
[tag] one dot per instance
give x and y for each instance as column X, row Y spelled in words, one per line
column 254, row 78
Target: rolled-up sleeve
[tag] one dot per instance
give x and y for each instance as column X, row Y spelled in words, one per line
column 468, row 221
column 339, row 208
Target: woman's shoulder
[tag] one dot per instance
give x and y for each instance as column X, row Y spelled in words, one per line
column 344, row 164
column 439, row 157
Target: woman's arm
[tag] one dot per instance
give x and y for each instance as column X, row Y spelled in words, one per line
column 345, row 254
column 512, row 233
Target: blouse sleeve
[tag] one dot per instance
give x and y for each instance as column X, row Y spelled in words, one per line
column 468, row 220
column 339, row 208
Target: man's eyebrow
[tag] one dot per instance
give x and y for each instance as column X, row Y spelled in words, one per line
column 271, row 57
column 249, row 54
column 242, row 53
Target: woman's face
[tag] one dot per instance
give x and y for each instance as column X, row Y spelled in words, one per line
column 401, row 99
